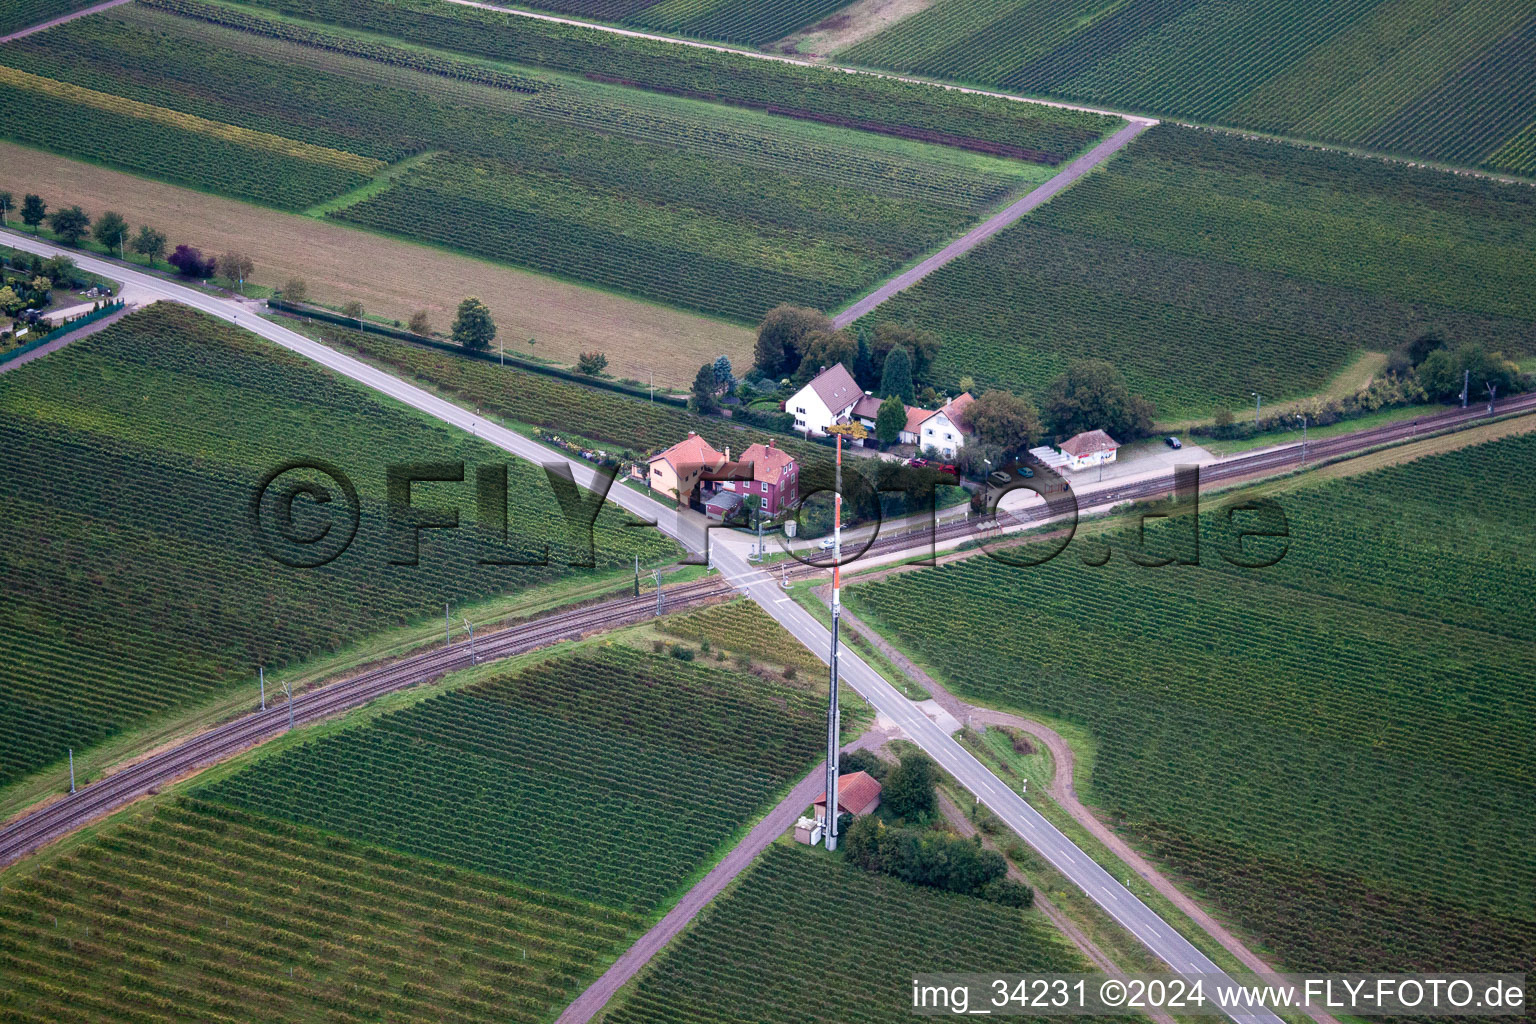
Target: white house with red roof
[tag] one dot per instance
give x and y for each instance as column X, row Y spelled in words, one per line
column 773, row 476
column 828, row 398
column 945, row 431
column 1090, row 448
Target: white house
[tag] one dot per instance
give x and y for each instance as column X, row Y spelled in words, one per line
column 947, row 429
column 829, row 397
column 1090, row 448
column 867, row 410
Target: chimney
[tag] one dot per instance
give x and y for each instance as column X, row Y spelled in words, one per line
column 727, row 453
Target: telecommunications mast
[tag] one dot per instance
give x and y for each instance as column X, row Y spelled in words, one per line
column 833, row 729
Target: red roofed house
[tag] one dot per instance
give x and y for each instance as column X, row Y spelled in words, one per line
column 677, row 471
column 857, row 793
column 825, row 400
column 1090, row 448
column 775, row 478
column 946, row 430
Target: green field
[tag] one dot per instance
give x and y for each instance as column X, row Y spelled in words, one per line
column 753, row 957
column 136, row 587
column 19, row 14
column 1338, row 750
column 737, row 21
column 1026, row 131
column 202, row 911
column 1207, row 266
column 1449, row 81
column 714, row 208
column 608, row 775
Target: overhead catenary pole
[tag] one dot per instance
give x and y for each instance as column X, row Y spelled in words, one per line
column 637, row 575
column 1258, row 403
column 470, row 626
column 1492, row 391
column 658, row 592
column 834, row 729
column 1466, row 387
column 447, row 627
column 288, row 691
column 71, row 769
column 262, row 674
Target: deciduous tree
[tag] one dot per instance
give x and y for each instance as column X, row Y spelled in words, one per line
column 1092, row 395
column 33, row 211
column 473, row 327
column 822, row 350
column 781, row 338
column 190, row 262
column 7, row 204
column 149, row 243
column 909, row 790
column 419, row 323
column 236, row 266
column 1004, row 419
column 353, row 309
column 922, row 346
column 69, row 224
column 591, row 363
column 111, row 230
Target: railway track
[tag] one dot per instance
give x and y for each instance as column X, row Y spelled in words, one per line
column 31, row 831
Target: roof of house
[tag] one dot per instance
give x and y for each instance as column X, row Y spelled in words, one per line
column 768, row 462
column 915, row 418
column 855, row 789
column 726, row 501
column 691, row 452
column 836, row 387
column 955, row 409
column 867, row 407
column 1087, row 443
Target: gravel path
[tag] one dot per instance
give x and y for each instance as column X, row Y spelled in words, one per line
column 23, row 33
column 971, row 239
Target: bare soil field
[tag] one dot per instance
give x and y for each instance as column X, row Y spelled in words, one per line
column 394, row 278
column 852, row 24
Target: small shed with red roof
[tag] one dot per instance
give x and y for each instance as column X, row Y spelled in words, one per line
column 857, row 793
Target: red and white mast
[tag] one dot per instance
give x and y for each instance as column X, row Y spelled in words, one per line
column 833, row 725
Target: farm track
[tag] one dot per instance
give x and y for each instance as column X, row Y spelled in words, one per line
column 57, row 819
column 61, row 19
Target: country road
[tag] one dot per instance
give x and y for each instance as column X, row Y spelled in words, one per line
column 992, row 225
column 764, row 589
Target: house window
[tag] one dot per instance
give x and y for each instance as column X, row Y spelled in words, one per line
column 800, row 409
column 949, row 437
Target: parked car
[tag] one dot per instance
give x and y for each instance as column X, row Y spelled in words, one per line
column 827, row 544
column 998, row 477
column 1173, row 442
column 1024, row 472
column 917, row 463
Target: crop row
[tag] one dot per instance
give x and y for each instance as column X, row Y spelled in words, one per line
column 755, row 22
column 1433, row 80
column 1314, row 718
column 1207, row 267
column 162, row 150
column 747, row 960
column 135, row 566
column 19, row 14
column 743, row 627
column 1028, row 131
column 202, row 910
column 415, row 59
column 608, row 776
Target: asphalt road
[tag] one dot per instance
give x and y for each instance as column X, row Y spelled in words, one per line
column 762, row 587
column 992, row 225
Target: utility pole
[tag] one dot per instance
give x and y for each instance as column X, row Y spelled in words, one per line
column 71, row 769
column 1258, row 403
column 834, row 729
column 288, row 690
column 1466, row 386
column 658, row 593
column 760, row 552
column 1303, row 437
column 470, row 626
column 1492, row 390
column 637, row 574
column 447, row 627
column 653, row 386
column 263, row 670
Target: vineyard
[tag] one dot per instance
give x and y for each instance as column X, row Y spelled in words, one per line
column 759, row 954
column 19, row 14
column 745, row 628
column 134, row 578
column 1336, row 749
column 1023, row 130
column 607, row 775
column 1446, row 81
column 200, row 911
column 711, row 208
column 1207, row 267
column 754, row 23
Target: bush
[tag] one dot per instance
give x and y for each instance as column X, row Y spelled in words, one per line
column 939, row 860
column 681, row 653
column 591, row 363
column 190, row 262
column 910, row 791
column 864, row 761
